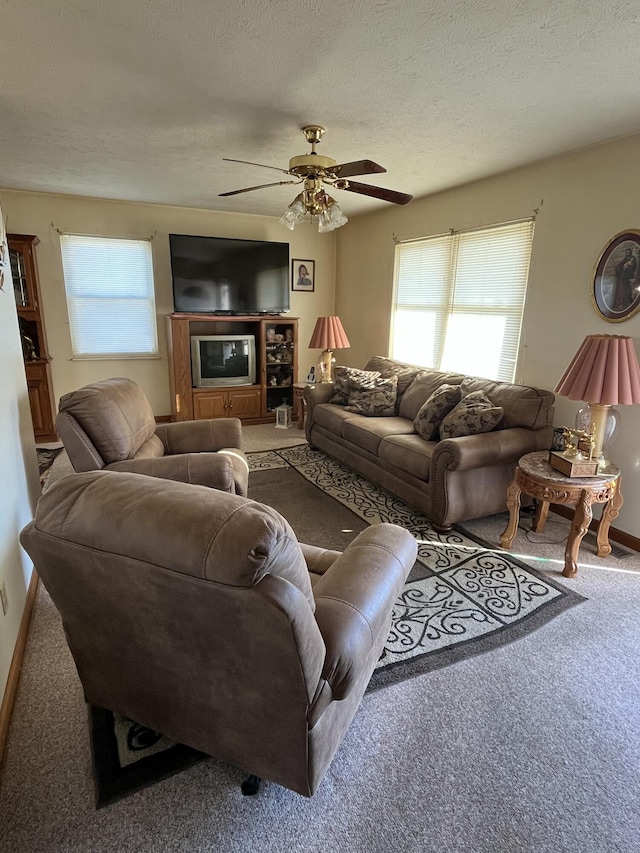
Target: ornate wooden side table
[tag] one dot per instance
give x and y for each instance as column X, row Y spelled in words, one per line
column 534, row 476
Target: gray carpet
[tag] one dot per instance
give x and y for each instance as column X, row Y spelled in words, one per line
column 530, row 749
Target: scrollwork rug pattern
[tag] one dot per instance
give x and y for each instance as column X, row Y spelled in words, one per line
column 463, row 596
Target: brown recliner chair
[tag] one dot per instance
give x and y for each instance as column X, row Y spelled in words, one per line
column 256, row 649
column 110, row 425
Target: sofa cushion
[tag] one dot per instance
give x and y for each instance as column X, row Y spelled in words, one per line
column 406, row 373
column 422, row 387
column 373, row 397
column 367, row 433
column 341, row 379
column 408, row 453
column 331, row 417
column 524, row 406
column 433, row 411
column 474, row 414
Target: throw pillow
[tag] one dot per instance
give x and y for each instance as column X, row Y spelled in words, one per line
column 434, row 410
column 474, row 414
column 341, row 379
column 373, row 398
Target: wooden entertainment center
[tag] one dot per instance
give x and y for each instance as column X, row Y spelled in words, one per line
column 276, row 367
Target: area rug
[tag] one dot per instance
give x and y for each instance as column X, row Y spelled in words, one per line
column 462, row 598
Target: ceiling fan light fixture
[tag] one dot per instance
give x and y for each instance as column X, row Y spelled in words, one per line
column 294, row 214
column 332, row 217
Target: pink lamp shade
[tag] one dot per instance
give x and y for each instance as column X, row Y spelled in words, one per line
column 329, row 334
column 605, row 370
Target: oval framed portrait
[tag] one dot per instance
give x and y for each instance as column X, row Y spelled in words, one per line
column 616, row 279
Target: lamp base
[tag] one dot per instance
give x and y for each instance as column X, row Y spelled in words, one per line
column 325, row 366
column 604, row 419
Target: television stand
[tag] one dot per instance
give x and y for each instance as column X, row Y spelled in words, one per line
column 276, row 339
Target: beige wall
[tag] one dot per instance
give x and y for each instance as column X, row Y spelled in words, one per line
column 46, row 215
column 583, row 200
column 18, row 477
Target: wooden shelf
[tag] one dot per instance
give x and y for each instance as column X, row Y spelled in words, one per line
column 276, row 340
column 26, row 287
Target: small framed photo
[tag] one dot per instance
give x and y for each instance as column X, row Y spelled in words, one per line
column 616, row 279
column 303, row 275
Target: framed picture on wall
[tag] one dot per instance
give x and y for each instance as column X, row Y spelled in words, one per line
column 616, row 279
column 303, row 275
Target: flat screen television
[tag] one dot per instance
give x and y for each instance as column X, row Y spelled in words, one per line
column 221, row 275
column 223, row 360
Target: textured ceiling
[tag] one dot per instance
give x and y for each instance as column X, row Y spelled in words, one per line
column 141, row 99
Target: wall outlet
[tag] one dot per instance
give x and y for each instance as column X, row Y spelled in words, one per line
column 4, row 599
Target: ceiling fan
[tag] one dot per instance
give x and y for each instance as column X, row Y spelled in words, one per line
column 315, row 170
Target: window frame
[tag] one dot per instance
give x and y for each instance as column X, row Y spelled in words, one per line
column 74, row 298
column 444, row 306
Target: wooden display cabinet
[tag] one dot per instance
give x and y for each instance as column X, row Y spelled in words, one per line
column 276, row 341
column 37, row 362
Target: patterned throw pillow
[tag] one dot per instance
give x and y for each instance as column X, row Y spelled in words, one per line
column 341, row 378
column 374, row 397
column 474, row 414
column 434, row 410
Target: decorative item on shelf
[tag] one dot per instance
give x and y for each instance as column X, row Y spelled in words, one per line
column 283, row 415
column 327, row 336
column 604, row 372
column 271, row 334
column 311, row 376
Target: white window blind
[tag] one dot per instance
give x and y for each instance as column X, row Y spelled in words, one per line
column 459, row 300
column 110, row 296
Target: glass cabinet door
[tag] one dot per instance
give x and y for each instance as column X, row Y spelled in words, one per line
column 19, row 274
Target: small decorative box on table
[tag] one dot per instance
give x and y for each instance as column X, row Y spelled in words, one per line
column 572, row 466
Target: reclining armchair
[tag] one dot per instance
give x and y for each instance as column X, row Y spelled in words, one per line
column 110, row 425
column 256, row 649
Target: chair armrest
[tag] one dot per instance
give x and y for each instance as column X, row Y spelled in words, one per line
column 204, row 436
column 354, row 600
column 490, row 448
column 215, row 470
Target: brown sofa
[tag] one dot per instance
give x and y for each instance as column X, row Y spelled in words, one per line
column 198, row 614
column 110, row 425
column 449, row 480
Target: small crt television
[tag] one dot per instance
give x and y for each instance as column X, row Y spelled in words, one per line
column 223, row 360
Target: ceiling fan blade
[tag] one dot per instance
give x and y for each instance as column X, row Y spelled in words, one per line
column 358, row 167
column 262, row 165
column 378, row 192
column 259, row 187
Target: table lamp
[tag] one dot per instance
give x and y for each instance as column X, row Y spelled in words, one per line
column 603, row 373
column 327, row 336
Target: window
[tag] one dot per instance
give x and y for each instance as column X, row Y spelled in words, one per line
column 110, row 297
column 459, row 300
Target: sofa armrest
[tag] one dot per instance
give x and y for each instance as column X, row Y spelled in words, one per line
column 490, row 448
column 314, row 395
column 354, row 600
column 203, row 436
column 215, row 470
column 322, row 393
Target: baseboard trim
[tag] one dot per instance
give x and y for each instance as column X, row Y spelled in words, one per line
column 620, row 536
column 15, row 669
